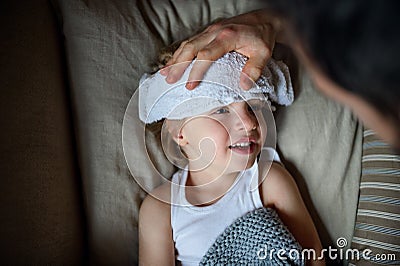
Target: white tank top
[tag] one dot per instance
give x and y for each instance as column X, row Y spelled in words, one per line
column 194, row 228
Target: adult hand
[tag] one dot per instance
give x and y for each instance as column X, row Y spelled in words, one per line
column 252, row 34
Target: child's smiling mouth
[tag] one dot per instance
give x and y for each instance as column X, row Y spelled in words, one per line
column 242, row 146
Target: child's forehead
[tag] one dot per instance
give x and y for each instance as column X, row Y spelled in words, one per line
column 253, row 104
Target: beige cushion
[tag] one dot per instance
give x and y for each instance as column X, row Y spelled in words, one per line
column 321, row 145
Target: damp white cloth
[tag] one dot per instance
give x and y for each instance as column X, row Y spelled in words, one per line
column 219, row 87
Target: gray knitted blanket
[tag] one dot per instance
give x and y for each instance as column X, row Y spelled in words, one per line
column 257, row 238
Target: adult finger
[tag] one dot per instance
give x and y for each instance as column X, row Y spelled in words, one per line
column 165, row 70
column 195, row 42
column 199, row 40
column 252, row 70
column 205, row 57
column 197, row 73
column 180, row 61
column 186, row 52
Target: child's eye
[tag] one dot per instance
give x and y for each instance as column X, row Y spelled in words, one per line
column 222, row 110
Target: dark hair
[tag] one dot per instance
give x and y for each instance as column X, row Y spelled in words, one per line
column 355, row 42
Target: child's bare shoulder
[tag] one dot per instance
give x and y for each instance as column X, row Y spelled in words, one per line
column 277, row 175
column 157, row 202
column 277, row 185
column 155, row 232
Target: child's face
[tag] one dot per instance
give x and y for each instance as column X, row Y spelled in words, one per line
column 225, row 140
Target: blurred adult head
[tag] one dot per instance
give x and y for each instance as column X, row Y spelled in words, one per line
column 351, row 48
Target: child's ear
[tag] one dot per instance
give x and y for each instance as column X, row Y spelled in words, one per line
column 175, row 130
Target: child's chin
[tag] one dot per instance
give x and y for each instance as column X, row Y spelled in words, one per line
column 240, row 165
column 250, row 163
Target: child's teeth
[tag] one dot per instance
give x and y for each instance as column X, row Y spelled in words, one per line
column 243, row 144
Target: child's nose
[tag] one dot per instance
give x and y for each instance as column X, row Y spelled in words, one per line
column 247, row 121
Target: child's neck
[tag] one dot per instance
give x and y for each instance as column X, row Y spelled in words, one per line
column 205, row 187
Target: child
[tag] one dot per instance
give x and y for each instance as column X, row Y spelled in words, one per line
column 220, row 132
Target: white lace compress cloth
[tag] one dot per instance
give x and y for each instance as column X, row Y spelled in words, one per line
column 219, row 87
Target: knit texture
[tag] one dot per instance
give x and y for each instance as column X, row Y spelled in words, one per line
column 255, row 239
